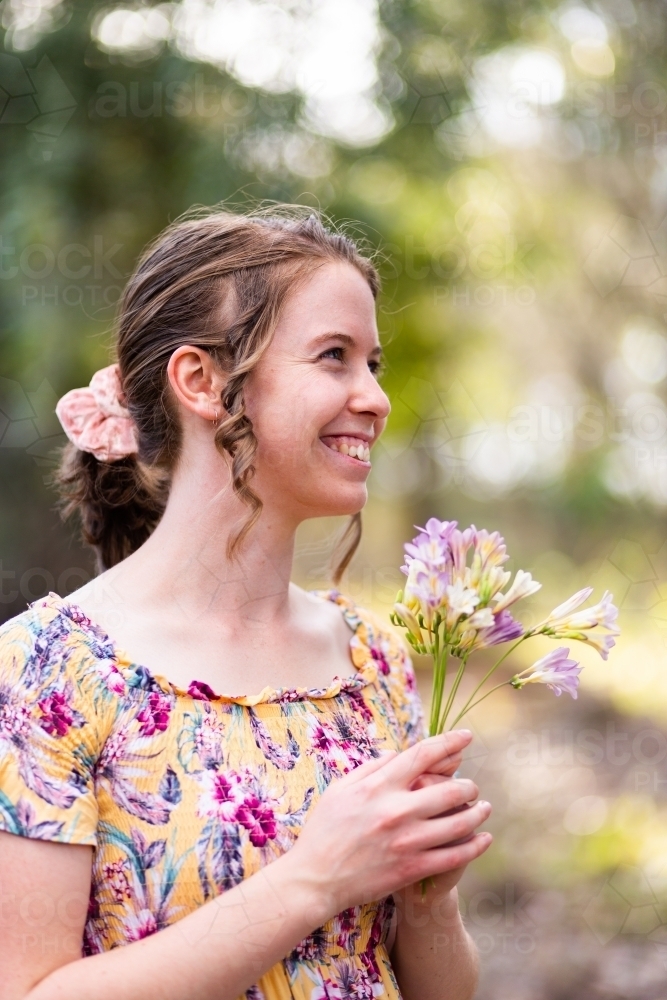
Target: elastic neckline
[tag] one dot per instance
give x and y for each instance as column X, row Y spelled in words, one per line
column 361, row 656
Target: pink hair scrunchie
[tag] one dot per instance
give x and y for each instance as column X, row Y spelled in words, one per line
column 95, row 420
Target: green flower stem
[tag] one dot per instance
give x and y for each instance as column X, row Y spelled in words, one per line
column 424, row 882
column 439, row 684
column 452, row 694
column 490, row 691
column 444, row 661
column 467, row 706
column 436, row 676
column 440, row 673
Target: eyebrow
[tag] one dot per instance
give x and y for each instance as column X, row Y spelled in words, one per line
column 346, row 338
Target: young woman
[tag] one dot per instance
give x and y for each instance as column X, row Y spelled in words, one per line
column 212, row 782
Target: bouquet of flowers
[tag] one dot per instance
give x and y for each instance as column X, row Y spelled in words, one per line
column 454, row 603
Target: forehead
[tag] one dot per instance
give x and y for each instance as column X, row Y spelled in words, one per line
column 334, row 297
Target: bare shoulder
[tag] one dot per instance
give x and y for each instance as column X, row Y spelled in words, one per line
column 314, row 608
column 98, row 594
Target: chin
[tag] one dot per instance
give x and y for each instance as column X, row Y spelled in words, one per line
column 345, row 502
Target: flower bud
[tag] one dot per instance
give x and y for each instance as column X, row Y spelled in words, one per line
column 409, row 621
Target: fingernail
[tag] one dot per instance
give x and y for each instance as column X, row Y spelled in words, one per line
column 464, row 732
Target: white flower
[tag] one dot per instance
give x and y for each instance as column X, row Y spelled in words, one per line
column 605, row 613
column 461, row 600
column 567, row 607
column 522, row 586
column 484, row 618
column 566, row 618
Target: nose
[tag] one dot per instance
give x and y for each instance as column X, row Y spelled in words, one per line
column 368, row 396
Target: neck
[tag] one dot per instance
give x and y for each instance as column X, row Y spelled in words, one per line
column 185, row 559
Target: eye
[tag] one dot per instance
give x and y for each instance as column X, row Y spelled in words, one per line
column 333, row 351
column 377, row 368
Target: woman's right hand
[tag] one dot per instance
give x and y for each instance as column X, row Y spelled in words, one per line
column 371, row 833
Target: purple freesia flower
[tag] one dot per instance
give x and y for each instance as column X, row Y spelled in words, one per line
column 555, row 670
column 428, row 586
column 490, row 549
column 460, row 542
column 431, row 546
column 505, row 629
column 603, row 643
column 435, row 528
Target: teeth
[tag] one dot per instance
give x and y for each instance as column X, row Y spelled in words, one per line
column 359, row 451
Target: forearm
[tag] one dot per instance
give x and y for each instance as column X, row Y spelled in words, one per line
column 215, row 953
column 433, row 957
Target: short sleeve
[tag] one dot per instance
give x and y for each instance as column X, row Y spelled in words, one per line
column 49, row 739
column 396, row 676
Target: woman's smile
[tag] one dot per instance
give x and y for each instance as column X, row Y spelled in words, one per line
column 349, row 446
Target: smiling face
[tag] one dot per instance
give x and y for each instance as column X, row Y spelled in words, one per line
column 314, row 399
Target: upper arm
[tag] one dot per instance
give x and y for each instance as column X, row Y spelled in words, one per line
column 44, row 890
column 49, row 744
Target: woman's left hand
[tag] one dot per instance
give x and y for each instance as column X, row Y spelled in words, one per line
column 445, row 881
column 441, row 895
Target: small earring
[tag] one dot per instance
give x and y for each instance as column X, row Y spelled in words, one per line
column 215, row 419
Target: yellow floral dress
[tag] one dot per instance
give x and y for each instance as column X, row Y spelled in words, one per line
column 183, row 794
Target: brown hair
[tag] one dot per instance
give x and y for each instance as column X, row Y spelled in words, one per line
column 217, row 282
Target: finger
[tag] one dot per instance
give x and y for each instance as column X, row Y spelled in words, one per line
column 427, row 803
column 446, row 859
column 447, row 767
column 429, row 778
column 441, row 832
column 459, row 840
column 425, row 755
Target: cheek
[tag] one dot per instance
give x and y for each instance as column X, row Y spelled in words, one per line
column 288, row 413
column 268, row 407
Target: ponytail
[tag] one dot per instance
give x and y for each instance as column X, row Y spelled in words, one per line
column 119, row 503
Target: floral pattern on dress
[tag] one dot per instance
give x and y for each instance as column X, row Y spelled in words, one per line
column 183, row 794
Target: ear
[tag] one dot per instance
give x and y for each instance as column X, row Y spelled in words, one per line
column 196, row 381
